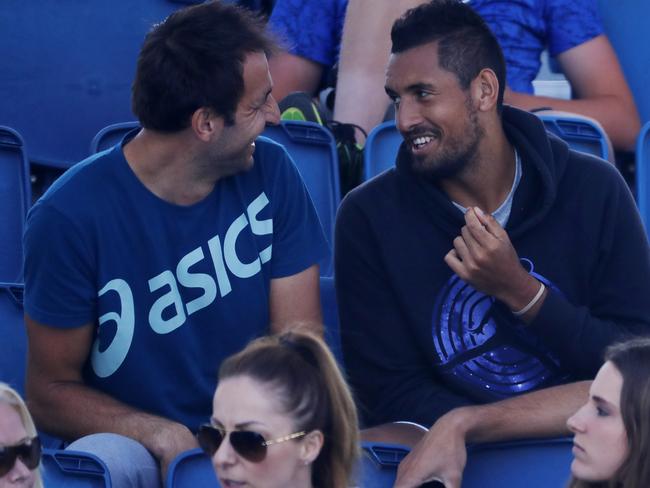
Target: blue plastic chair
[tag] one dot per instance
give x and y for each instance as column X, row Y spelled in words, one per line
column 72, row 64
column 331, row 317
column 111, row 135
column 381, row 149
column 73, row 469
column 539, row 463
column 313, row 150
column 15, row 199
column 191, row 469
column 580, row 133
column 626, row 25
column 643, row 174
column 13, row 338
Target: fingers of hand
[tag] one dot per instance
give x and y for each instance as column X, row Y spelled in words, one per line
column 490, row 223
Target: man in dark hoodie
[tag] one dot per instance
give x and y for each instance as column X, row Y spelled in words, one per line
column 482, row 278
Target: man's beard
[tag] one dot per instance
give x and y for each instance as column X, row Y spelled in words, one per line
column 457, row 155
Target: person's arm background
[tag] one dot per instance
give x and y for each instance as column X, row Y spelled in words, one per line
column 599, row 91
column 365, row 48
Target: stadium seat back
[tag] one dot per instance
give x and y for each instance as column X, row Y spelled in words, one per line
column 626, row 25
column 68, row 67
column 519, row 464
column 111, row 135
column 581, row 133
column 331, row 317
column 13, row 338
column 313, row 150
column 72, row 469
column 191, row 469
column 643, row 174
column 381, row 149
column 15, row 199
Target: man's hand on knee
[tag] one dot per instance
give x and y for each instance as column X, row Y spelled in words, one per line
column 439, row 456
column 168, row 442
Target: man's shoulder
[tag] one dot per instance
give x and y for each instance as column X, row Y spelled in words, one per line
column 84, row 177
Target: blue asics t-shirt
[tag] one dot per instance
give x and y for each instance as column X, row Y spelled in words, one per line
column 525, row 28
column 173, row 290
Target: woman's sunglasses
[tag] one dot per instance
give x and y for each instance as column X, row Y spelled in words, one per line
column 29, row 453
column 248, row 444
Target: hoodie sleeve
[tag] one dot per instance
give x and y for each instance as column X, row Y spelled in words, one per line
column 617, row 303
column 387, row 369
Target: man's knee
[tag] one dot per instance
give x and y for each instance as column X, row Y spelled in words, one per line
column 129, row 463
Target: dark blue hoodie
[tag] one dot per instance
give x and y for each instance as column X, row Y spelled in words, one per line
column 418, row 341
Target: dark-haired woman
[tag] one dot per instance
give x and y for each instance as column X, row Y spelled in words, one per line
column 612, row 430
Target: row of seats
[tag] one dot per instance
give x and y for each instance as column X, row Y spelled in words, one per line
column 525, row 464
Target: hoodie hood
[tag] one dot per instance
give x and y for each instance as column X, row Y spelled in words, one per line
column 543, row 158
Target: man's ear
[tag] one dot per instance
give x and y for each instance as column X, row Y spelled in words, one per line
column 311, row 446
column 485, row 90
column 206, row 124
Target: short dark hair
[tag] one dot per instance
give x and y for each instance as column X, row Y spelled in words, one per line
column 194, row 59
column 466, row 45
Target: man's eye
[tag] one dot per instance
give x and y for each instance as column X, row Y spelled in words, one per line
column 423, row 94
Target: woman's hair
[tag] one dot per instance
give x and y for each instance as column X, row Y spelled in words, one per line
column 310, row 388
column 10, row 397
column 632, row 359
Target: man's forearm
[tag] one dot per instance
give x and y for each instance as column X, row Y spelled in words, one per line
column 72, row 410
column 542, row 413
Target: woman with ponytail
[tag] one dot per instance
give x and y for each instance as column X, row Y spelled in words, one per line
column 283, row 417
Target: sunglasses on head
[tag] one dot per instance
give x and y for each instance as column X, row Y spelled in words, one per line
column 248, row 444
column 28, row 451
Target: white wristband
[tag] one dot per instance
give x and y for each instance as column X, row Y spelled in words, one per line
column 532, row 303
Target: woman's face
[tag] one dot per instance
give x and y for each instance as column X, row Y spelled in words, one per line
column 600, row 442
column 13, row 432
column 242, row 403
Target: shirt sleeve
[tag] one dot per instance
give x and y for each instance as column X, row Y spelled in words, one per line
column 387, row 369
column 59, row 279
column 617, row 306
column 570, row 24
column 309, row 28
column 298, row 238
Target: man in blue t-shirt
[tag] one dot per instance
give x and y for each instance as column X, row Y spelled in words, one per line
column 147, row 264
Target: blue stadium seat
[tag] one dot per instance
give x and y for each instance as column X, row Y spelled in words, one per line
column 520, row 464
column 111, row 135
column 626, row 25
column 15, row 199
column 381, row 149
column 643, row 174
column 580, row 133
column 313, row 149
column 72, row 469
column 68, row 67
column 13, row 339
column 331, row 317
column 191, row 469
